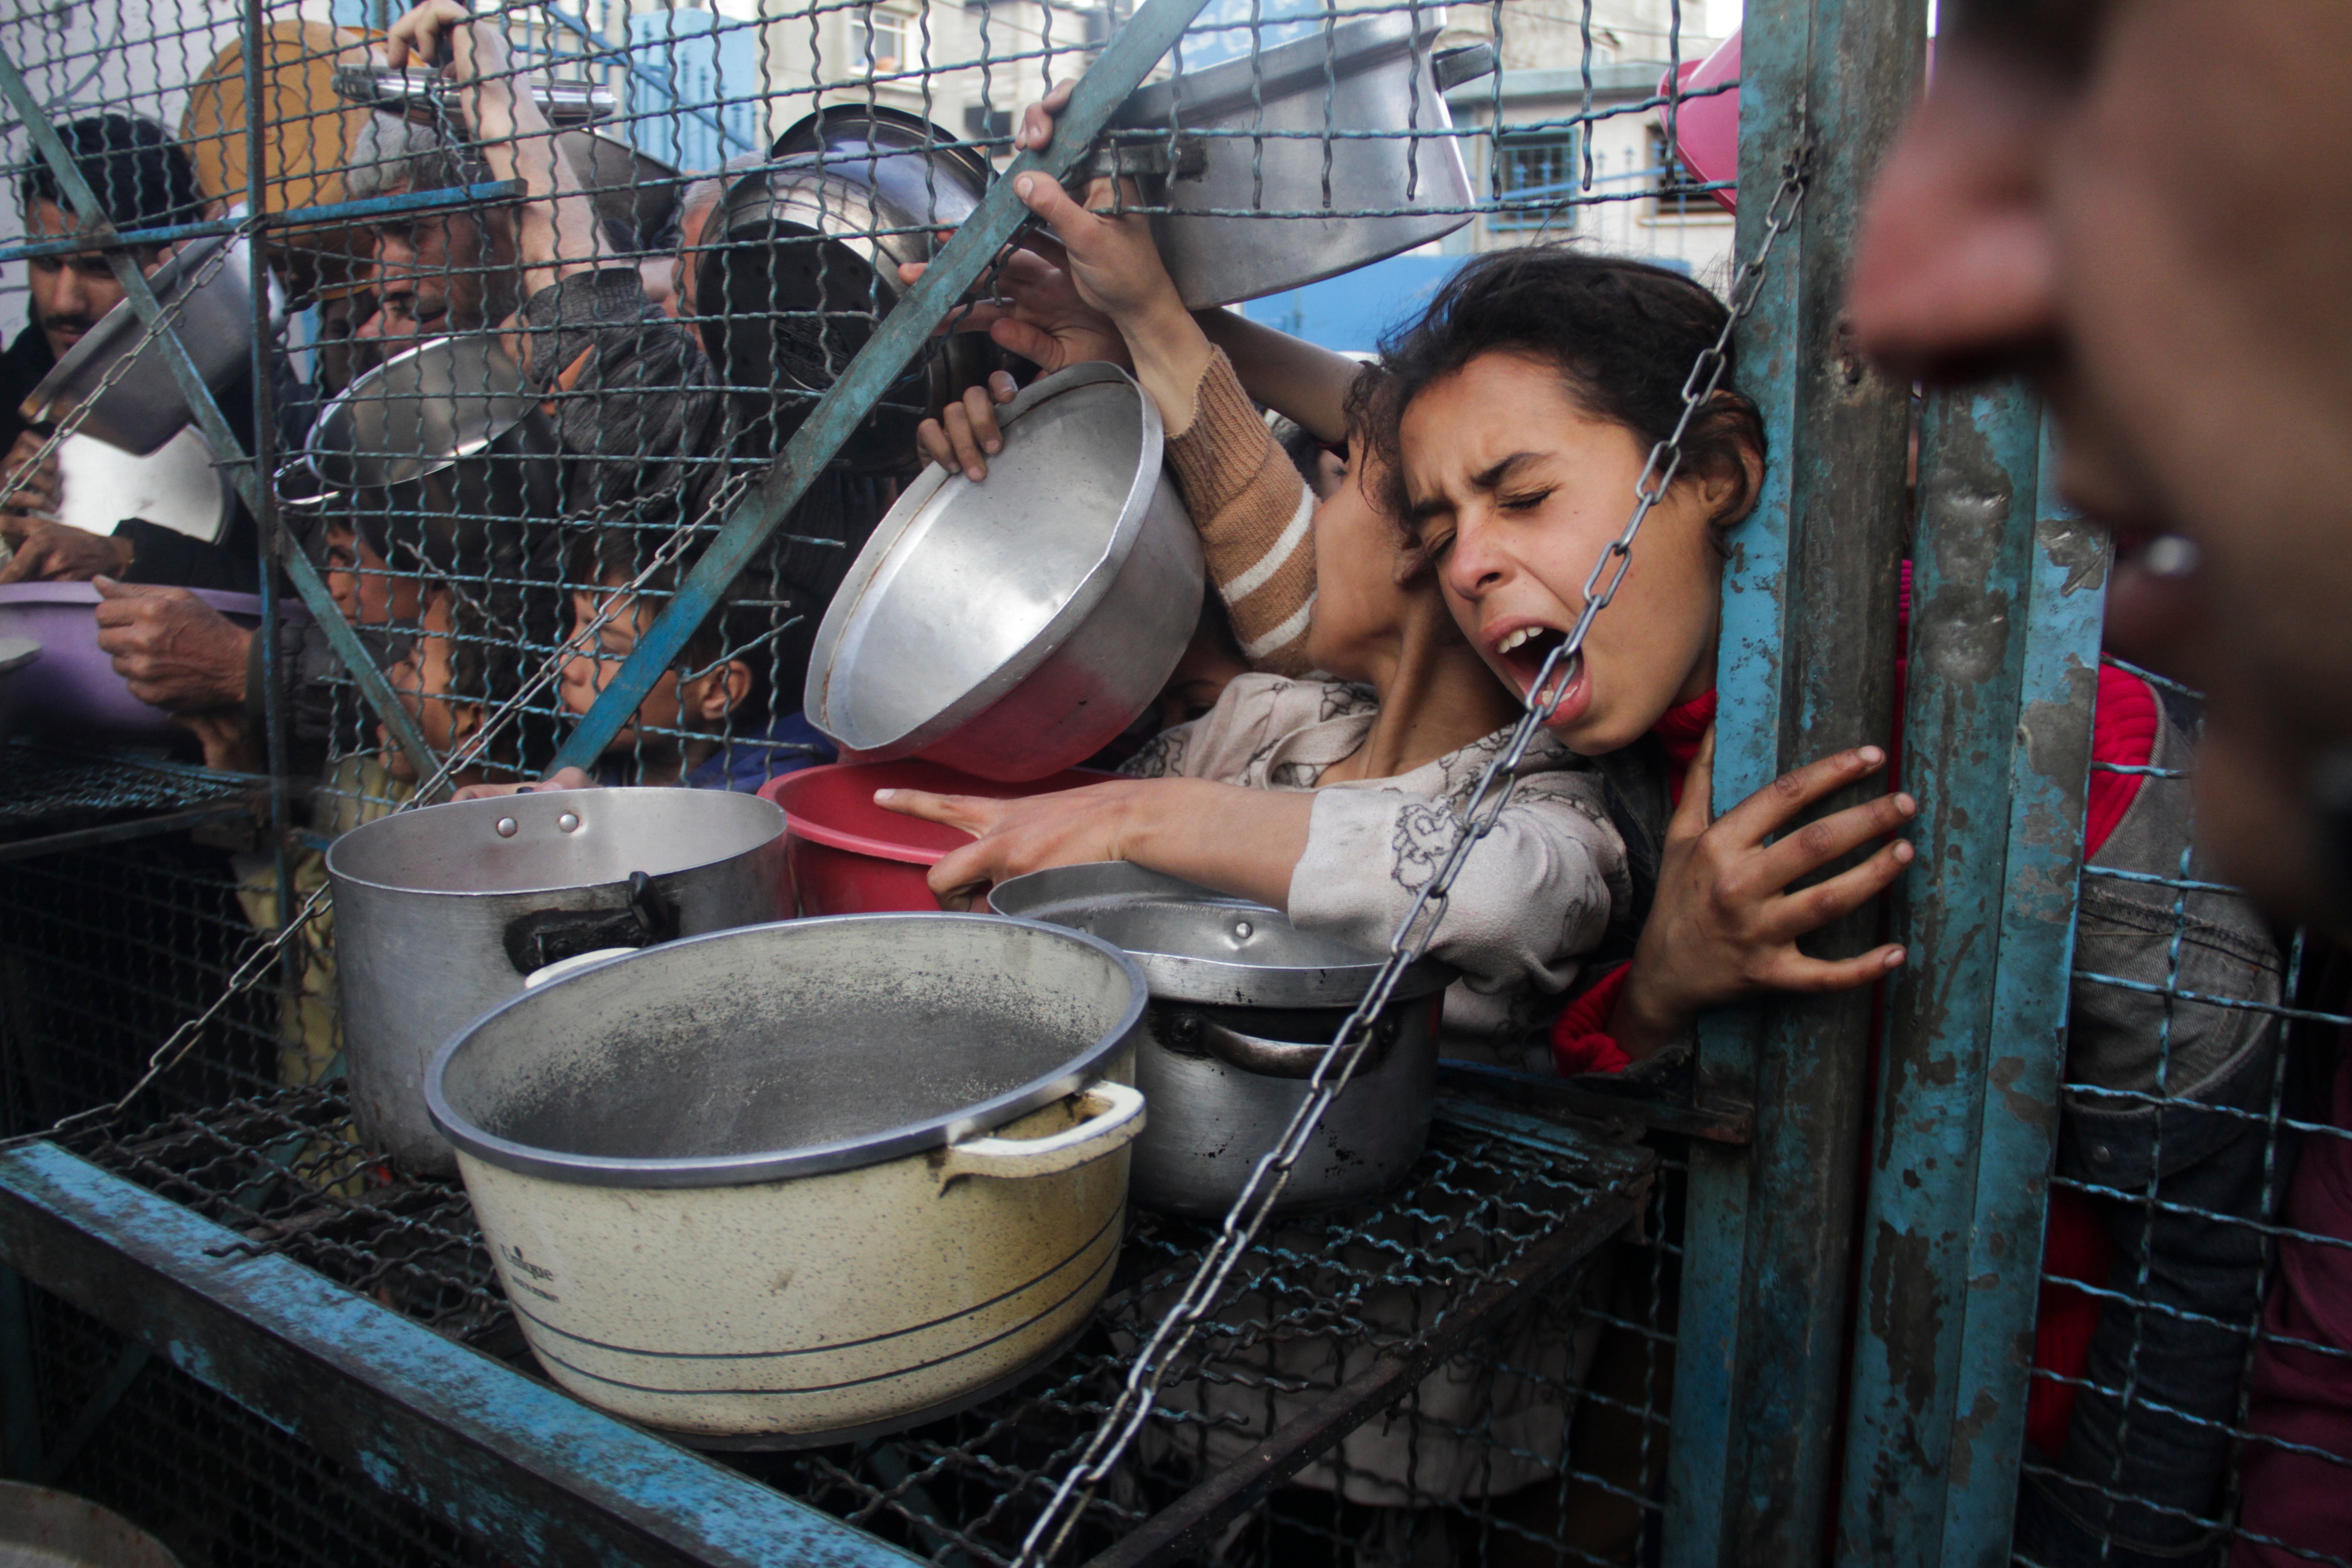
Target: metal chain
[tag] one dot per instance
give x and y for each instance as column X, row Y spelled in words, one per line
column 1139, row 1393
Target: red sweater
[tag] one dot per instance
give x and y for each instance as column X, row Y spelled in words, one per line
column 2077, row 1245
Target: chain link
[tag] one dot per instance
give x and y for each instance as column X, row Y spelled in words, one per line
column 1139, row 1393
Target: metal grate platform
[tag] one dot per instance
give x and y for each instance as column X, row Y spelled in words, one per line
column 55, row 798
column 1335, row 1319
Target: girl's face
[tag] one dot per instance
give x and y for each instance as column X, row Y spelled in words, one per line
column 1361, row 596
column 1515, row 491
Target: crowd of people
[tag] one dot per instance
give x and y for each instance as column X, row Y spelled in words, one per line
column 1389, row 582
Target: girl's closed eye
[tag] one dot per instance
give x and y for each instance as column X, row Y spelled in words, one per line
column 1527, row 501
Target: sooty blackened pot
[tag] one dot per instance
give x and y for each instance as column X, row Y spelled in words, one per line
column 1244, row 1007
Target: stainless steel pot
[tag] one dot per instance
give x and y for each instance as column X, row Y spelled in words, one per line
column 1243, row 1007
column 1012, row 628
column 802, row 262
column 145, row 408
column 450, row 433
column 441, row 913
column 807, row 1182
column 1247, row 137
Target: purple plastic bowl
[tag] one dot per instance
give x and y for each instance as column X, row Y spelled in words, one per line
column 71, row 692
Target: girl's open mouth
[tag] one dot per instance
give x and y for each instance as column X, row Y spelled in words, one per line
column 1523, row 649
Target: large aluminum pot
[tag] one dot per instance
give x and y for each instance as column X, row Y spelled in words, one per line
column 1010, row 629
column 440, row 914
column 801, row 263
column 1243, row 1007
column 144, row 407
column 1247, row 137
column 807, row 1182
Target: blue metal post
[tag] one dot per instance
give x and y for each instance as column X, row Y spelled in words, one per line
column 1805, row 669
column 2005, row 661
column 1978, row 458
column 1133, row 50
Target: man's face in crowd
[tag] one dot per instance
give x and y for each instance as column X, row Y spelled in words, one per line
column 69, row 293
column 430, row 275
column 2146, row 205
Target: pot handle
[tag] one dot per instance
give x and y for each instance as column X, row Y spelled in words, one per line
column 544, row 937
column 1452, row 68
column 1114, row 1118
column 1191, row 1034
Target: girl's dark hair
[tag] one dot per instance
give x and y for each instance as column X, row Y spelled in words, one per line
column 1624, row 336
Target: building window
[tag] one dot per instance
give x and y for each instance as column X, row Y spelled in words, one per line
column 1541, row 172
column 885, row 41
column 1679, row 192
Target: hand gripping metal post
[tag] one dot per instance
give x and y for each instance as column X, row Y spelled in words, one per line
column 1241, row 1224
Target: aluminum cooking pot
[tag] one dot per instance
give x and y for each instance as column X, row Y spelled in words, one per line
column 448, row 432
column 441, row 913
column 41, row 1528
column 1010, row 629
column 145, row 408
column 1243, row 1007
column 809, row 1181
column 1247, row 137
column 802, row 262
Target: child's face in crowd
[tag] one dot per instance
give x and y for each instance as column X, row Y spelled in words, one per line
column 672, row 705
column 362, row 586
column 1362, row 598
column 424, row 680
column 1515, row 490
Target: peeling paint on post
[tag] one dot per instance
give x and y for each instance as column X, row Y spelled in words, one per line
column 2007, row 602
column 1806, row 669
column 2017, row 1121
column 1979, row 463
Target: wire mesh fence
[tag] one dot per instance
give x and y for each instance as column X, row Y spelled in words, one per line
column 2202, row 1046
column 537, row 311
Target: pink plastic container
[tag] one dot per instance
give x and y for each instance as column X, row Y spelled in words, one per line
column 1706, row 130
column 847, row 856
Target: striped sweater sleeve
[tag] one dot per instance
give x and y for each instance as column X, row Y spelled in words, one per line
column 1256, row 516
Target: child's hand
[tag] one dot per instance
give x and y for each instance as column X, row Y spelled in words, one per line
column 967, row 434
column 1725, row 927
column 562, row 778
column 477, row 54
column 1012, row 838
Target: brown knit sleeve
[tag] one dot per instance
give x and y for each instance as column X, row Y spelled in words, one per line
column 1256, row 516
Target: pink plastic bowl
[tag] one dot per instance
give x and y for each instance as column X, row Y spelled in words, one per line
column 847, row 856
column 71, row 692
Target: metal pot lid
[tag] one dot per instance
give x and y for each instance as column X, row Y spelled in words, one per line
column 789, row 1049
column 521, row 844
column 418, row 413
column 1241, row 85
column 964, row 589
column 1194, row 945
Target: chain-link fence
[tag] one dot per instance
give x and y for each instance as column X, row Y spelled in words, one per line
column 557, row 391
